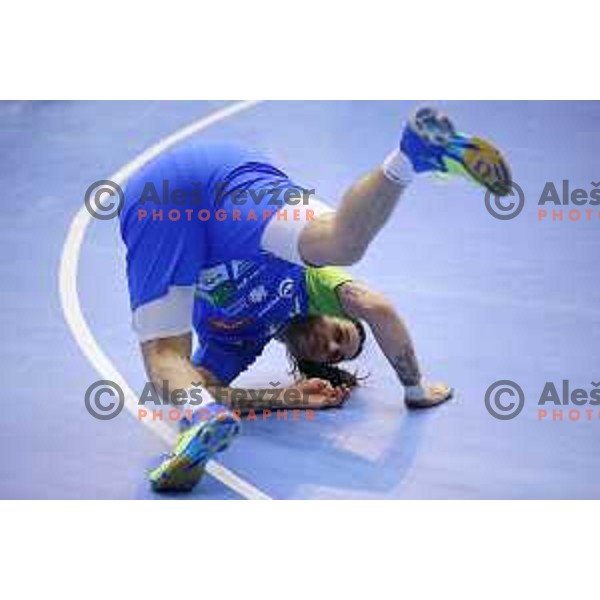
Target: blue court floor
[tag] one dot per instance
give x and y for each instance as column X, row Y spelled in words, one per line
column 485, row 299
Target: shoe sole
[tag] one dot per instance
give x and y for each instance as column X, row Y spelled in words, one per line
column 480, row 159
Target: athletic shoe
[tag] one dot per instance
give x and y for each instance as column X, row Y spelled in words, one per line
column 184, row 467
column 431, row 143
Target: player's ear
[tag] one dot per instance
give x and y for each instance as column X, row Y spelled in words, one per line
column 362, row 336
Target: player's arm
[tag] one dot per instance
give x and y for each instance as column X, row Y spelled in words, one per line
column 392, row 336
column 169, row 359
column 387, row 326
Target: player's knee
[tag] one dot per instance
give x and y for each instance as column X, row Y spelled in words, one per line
column 341, row 255
column 325, row 247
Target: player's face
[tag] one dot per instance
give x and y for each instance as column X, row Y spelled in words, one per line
column 328, row 340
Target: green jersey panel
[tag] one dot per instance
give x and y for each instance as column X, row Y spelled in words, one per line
column 322, row 284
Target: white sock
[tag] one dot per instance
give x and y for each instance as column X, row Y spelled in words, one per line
column 397, row 168
column 414, row 392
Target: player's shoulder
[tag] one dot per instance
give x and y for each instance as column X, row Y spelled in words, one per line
column 327, row 276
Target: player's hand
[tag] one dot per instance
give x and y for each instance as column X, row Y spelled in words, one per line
column 319, row 393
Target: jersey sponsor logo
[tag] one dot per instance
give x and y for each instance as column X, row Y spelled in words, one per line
column 258, row 294
column 228, row 325
column 219, row 297
column 241, row 267
column 215, row 286
column 210, row 279
column 296, row 309
column 286, row 288
column 239, row 298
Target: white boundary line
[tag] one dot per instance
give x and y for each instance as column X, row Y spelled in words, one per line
column 72, row 308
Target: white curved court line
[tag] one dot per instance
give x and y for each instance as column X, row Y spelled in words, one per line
column 73, row 314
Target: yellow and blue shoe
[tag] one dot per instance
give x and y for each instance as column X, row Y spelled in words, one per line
column 431, row 143
column 183, row 468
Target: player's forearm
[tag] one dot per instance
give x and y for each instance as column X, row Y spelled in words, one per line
column 395, row 342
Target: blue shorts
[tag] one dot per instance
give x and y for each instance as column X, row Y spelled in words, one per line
column 195, row 206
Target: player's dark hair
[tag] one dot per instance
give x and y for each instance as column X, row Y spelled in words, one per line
column 335, row 375
column 329, row 372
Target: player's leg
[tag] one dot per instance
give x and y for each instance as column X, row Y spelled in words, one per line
column 164, row 258
column 343, row 236
column 429, row 143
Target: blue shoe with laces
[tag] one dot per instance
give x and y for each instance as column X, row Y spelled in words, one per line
column 210, row 431
column 432, row 144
